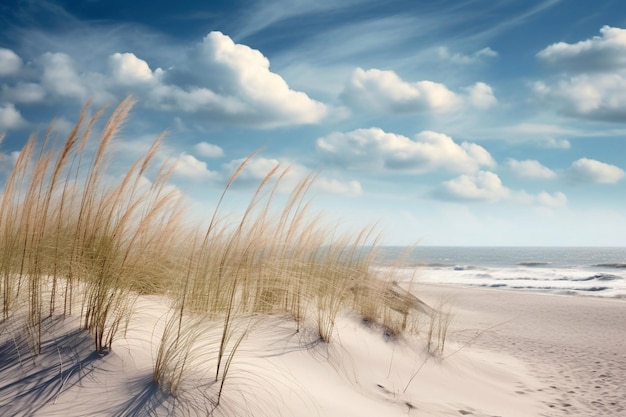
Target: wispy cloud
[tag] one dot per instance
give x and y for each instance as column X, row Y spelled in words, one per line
column 466, row 59
column 269, row 13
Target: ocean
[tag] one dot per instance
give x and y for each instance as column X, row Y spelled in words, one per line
column 592, row 271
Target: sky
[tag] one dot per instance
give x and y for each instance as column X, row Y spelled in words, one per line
column 442, row 122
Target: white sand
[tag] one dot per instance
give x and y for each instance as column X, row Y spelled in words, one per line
column 546, row 355
column 575, row 346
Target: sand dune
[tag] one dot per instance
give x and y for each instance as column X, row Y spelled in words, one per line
column 508, row 354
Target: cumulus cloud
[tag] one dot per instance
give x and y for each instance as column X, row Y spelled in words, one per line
column 228, row 81
column 208, row 150
column 331, row 186
column 24, row 92
column 376, row 149
column 482, row 186
column 61, row 78
column 590, row 170
column 554, row 143
column 255, row 169
column 10, row 117
column 531, row 169
column 380, row 90
column 480, row 95
column 385, row 90
column 188, row 166
column 127, row 69
column 557, row 199
column 461, row 59
column 217, row 80
column 599, row 97
column 606, row 52
column 487, row 186
column 590, row 77
column 10, row 62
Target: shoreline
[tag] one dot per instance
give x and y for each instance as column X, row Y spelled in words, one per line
column 572, row 345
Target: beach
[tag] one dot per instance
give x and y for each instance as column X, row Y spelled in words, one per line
column 507, row 353
column 574, row 346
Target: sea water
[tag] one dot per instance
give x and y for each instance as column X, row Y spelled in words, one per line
column 593, row 271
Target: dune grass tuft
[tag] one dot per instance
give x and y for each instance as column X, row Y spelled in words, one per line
column 77, row 238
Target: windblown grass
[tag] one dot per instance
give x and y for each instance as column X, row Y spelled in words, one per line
column 74, row 234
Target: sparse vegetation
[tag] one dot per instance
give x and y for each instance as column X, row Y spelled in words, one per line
column 72, row 233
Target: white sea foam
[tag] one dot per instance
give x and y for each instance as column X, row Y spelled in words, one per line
column 570, row 271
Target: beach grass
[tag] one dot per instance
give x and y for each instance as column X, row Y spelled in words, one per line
column 80, row 240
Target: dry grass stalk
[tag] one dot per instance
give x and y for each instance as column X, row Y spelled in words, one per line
column 68, row 228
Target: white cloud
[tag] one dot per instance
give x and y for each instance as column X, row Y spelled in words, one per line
column 332, row 186
column 61, row 78
column 606, row 52
column 557, row 199
column 266, row 13
column 380, row 90
column 530, row 169
column 488, row 187
column 10, row 62
column 482, row 186
column 590, row 170
column 223, row 80
column 543, row 135
column 208, row 150
column 376, row 149
column 190, row 167
column 590, row 80
column 554, row 143
column 7, row 161
column 258, row 168
column 216, row 80
column 385, row 90
column 24, row 92
column 10, row 117
column 63, row 126
column 127, row 69
column 601, row 96
column 255, row 169
column 480, row 95
column 457, row 58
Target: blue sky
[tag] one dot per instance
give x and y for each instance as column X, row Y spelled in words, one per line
column 465, row 122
